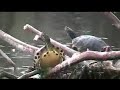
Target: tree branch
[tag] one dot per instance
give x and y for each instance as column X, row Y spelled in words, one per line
column 8, row 60
column 88, row 55
column 8, row 75
column 115, row 21
column 29, row 74
column 67, row 50
column 17, row 43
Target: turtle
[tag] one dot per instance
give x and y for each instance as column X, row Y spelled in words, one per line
column 49, row 56
column 87, row 42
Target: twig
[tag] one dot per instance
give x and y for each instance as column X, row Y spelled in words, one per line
column 17, row 43
column 113, row 18
column 8, row 75
column 8, row 60
column 27, row 75
column 67, row 50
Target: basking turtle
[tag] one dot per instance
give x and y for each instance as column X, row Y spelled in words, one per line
column 84, row 42
column 49, row 56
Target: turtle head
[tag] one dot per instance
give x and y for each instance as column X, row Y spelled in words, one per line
column 70, row 32
column 46, row 39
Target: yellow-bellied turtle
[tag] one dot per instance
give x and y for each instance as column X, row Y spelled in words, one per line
column 49, row 56
column 84, row 42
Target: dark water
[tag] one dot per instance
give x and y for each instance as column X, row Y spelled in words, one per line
column 53, row 23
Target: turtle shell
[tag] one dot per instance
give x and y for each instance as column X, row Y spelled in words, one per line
column 48, row 58
column 84, row 42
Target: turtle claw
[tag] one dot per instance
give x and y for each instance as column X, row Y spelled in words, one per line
column 106, row 49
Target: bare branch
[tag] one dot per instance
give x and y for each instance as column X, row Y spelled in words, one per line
column 8, row 75
column 8, row 60
column 88, row 55
column 67, row 50
column 17, row 43
column 27, row 75
column 113, row 18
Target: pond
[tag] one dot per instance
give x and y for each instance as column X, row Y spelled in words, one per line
column 53, row 23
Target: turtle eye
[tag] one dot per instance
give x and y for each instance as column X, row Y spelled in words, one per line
column 35, row 57
column 47, row 52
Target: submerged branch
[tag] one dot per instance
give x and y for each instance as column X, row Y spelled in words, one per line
column 67, row 50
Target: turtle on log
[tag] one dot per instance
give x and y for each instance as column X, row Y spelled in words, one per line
column 83, row 42
column 49, row 56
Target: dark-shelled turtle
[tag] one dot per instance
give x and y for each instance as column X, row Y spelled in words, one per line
column 49, row 56
column 84, row 42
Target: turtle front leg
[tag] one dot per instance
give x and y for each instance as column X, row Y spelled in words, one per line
column 106, row 49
